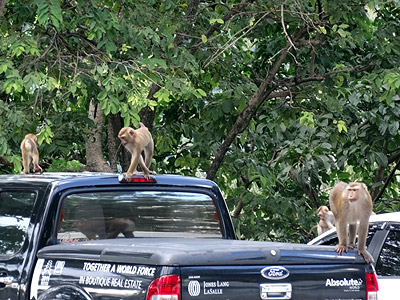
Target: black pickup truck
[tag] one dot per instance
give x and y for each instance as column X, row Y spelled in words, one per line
column 97, row 237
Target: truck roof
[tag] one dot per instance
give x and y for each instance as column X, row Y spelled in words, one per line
column 99, row 179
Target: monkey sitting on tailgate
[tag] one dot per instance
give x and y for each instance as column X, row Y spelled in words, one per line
column 326, row 220
column 30, row 154
column 136, row 141
column 351, row 204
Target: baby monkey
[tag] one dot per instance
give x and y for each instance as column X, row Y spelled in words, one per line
column 136, row 141
column 326, row 220
column 30, row 154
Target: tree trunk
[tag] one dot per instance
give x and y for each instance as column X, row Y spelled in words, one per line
column 2, row 5
column 148, row 115
column 95, row 161
column 118, row 153
column 114, row 125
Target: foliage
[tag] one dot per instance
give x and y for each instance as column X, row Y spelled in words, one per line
column 325, row 75
column 62, row 165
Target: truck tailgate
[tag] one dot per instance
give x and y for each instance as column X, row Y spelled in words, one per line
column 338, row 281
column 207, row 269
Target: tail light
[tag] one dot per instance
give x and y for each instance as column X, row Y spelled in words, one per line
column 136, row 179
column 372, row 286
column 165, row 288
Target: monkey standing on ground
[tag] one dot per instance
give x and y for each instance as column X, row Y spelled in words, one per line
column 351, row 203
column 326, row 220
column 30, row 154
column 136, row 141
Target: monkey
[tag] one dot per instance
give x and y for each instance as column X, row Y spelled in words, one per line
column 136, row 141
column 113, row 227
column 351, row 204
column 119, row 225
column 326, row 220
column 30, row 154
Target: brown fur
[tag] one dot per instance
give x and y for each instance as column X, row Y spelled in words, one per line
column 351, row 203
column 113, row 228
column 327, row 219
column 30, row 154
column 136, row 141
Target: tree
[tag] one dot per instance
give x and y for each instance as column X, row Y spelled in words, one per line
column 275, row 101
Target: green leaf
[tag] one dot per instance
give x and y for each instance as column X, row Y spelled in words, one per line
column 55, row 9
column 220, row 21
column 251, row 22
column 102, row 95
column 341, row 125
column 3, row 68
column 342, row 32
column 201, row 92
column 381, row 159
column 110, row 47
column 91, row 36
column 307, row 119
column 204, row 38
column 55, row 21
column 162, row 95
column 393, row 128
column 162, row 63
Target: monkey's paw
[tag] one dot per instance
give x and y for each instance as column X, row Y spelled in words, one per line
column 352, row 246
column 364, row 254
column 341, row 248
column 128, row 176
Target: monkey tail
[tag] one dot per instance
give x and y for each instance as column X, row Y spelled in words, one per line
column 312, row 228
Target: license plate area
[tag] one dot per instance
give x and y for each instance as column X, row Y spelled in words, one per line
column 276, row 291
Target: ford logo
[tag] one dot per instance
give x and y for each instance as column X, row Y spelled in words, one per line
column 275, row 273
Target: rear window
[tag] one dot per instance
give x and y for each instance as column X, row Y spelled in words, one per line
column 119, row 214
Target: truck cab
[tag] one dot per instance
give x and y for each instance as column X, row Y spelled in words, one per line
column 61, row 208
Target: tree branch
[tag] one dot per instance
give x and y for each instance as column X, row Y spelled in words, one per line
column 4, row 161
column 239, row 206
column 217, row 25
column 306, row 188
column 245, row 116
column 388, row 180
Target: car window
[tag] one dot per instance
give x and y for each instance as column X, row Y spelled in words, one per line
column 99, row 215
column 388, row 263
column 15, row 212
column 333, row 240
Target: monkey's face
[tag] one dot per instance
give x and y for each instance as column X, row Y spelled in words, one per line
column 126, row 135
column 352, row 193
column 123, row 140
column 321, row 212
column 123, row 136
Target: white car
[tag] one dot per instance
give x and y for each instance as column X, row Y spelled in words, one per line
column 383, row 243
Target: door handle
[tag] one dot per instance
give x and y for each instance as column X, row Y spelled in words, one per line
column 281, row 291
